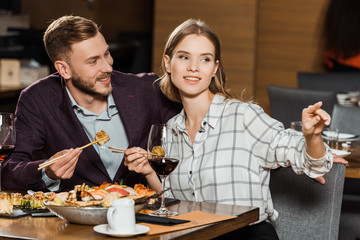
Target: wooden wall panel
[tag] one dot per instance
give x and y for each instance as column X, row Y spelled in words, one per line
column 234, row 22
column 41, row 12
column 263, row 41
column 289, row 40
column 113, row 15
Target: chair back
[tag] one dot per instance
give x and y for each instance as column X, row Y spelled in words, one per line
column 350, row 210
column 307, row 209
column 287, row 103
column 346, row 119
column 330, row 81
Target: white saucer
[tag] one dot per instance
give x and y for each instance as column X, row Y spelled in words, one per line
column 103, row 228
column 340, row 153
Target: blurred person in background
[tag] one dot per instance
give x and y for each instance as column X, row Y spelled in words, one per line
column 342, row 35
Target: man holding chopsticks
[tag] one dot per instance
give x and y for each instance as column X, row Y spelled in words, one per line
column 57, row 115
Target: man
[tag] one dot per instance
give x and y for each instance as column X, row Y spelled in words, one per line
column 63, row 111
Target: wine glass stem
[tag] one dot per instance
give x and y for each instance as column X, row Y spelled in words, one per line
column 162, row 206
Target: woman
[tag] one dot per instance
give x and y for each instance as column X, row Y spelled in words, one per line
column 229, row 146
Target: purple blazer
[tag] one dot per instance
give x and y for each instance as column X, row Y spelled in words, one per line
column 46, row 123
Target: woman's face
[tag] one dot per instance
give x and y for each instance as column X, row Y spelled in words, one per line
column 192, row 65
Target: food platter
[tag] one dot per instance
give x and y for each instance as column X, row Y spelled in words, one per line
column 17, row 213
column 82, row 205
column 20, row 212
column 93, row 215
column 343, row 137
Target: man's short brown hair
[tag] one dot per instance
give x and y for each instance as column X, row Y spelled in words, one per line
column 65, row 31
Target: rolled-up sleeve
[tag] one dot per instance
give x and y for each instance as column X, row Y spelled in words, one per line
column 279, row 147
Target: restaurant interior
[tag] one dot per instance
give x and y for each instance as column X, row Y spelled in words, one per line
column 272, row 51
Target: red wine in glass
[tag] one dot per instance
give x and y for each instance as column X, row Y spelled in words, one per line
column 7, row 137
column 162, row 158
column 5, row 150
column 163, row 166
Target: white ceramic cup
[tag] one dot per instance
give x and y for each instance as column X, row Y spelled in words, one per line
column 121, row 216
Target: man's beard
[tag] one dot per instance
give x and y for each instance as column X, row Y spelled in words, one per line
column 88, row 87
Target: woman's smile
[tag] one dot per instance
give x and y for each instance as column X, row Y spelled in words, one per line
column 192, row 78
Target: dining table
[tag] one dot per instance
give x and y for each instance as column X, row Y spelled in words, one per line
column 30, row 227
column 353, row 168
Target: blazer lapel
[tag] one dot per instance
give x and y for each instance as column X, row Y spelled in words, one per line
column 126, row 102
column 72, row 126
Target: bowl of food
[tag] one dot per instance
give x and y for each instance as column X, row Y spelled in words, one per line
column 91, row 215
column 89, row 206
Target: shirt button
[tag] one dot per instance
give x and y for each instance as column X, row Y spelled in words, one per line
column 190, row 172
column 193, row 194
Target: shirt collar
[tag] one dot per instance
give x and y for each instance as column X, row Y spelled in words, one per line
column 111, row 103
column 211, row 118
column 72, row 100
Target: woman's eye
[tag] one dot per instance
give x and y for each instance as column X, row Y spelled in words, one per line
column 183, row 57
column 206, row 60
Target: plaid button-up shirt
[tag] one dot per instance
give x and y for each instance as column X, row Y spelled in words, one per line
column 233, row 153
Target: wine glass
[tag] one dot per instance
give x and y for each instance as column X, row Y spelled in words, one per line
column 163, row 159
column 7, row 137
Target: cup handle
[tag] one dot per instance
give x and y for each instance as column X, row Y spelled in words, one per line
column 109, row 216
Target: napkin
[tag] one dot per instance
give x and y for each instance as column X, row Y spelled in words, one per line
column 168, row 202
column 196, row 218
column 44, row 214
column 158, row 220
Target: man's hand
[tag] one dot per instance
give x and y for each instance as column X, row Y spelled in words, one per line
column 64, row 167
column 337, row 159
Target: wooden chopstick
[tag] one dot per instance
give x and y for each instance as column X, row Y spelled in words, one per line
column 93, row 142
column 48, row 163
column 120, row 150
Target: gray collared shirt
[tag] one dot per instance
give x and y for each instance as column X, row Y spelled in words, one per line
column 110, row 122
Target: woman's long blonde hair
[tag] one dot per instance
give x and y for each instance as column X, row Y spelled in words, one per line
column 192, row 26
